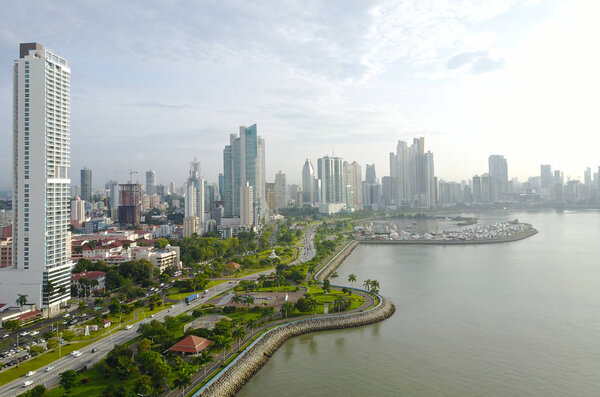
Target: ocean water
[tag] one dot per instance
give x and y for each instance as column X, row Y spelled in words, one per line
column 511, row 319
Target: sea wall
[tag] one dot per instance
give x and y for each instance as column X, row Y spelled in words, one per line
column 239, row 372
column 336, row 261
column 517, row 237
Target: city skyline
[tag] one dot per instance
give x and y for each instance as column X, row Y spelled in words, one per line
column 458, row 93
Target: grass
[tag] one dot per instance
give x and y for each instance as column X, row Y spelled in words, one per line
column 94, row 387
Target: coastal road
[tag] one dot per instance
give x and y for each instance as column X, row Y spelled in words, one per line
column 307, row 252
column 104, row 345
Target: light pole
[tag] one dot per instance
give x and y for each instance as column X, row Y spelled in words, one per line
column 59, row 345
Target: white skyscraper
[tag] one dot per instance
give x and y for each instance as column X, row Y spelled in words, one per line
column 41, row 263
column 280, row 191
column 78, row 210
column 246, row 205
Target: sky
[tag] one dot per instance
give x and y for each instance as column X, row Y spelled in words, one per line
column 156, row 83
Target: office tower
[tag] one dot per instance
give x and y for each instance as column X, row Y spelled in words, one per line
column 370, row 175
column 150, row 182
column 270, row 194
column 191, row 226
column 244, row 161
column 388, row 185
column 41, row 247
column 403, row 193
column 353, row 178
column 428, row 180
column 558, row 183
column 485, row 188
column 477, row 189
column 412, row 176
column 308, row 183
column 78, row 210
column 221, row 184
column 498, row 171
column 246, row 205
column 210, row 194
column 280, row 191
column 546, row 179
column 86, row 184
column 194, row 194
column 130, row 204
column 587, row 176
column 330, row 172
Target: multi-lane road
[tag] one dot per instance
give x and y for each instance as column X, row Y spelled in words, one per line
column 104, row 345
column 307, row 251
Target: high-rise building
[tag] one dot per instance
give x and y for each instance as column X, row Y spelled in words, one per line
column 194, row 194
column 246, row 205
column 78, row 210
column 370, row 175
column 280, row 191
column 270, row 195
column 244, row 161
column 353, row 179
column 477, row 189
column 130, row 204
column 86, row 184
column 41, row 247
column 330, row 172
column 308, row 183
column 498, row 171
column 150, row 182
column 191, row 225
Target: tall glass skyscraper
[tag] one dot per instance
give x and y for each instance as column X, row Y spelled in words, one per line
column 86, row 184
column 41, row 263
column 243, row 161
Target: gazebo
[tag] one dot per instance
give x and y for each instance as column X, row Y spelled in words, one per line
column 191, row 344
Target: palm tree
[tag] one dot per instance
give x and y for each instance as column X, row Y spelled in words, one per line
column 367, row 284
column 49, row 288
column 287, row 308
column 252, row 323
column 262, row 278
column 333, row 275
column 248, row 300
column 237, row 299
column 225, row 343
column 202, row 359
column 239, row 334
column 352, row 278
column 374, row 286
column 21, row 300
column 183, row 379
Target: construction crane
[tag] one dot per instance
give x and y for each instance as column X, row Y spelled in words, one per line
column 131, row 172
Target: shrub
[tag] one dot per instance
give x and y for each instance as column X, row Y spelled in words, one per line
column 85, row 380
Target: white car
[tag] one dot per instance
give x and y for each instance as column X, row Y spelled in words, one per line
column 30, row 373
column 152, row 316
column 24, row 333
column 5, row 336
column 128, row 326
column 49, row 369
column 27, row 383
column 34, row 333
column 76, row 353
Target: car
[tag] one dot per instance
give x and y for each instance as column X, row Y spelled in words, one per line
column 30, row 373
column 67, row 315
column 34, row 333
column 152, row 316
column 76, row 353
column 27, row 383
column 49, row 369
column 65, row 322
column 5, row 336
column 94, row 350
column 73, row 322
column 24, row 333
column 172, row 306
column 128, row 326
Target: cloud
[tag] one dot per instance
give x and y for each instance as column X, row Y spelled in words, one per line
column 156, row 105
column 479, row 62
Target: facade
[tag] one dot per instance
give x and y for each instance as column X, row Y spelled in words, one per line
column 280, row 191
column 244, row 162
column 498, row 170
column 194, row 195
column 246, row 205
column 5, row 252
column 330, row 171
column 130, row 204
column 41, row 261
column 78, row 210
column 86, row 184
column 160, row 259
column 308, row 183
column 98, row 285
column 150, row 182
column 191, row 225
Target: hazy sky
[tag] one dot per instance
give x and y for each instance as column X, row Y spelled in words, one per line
column 156, row 83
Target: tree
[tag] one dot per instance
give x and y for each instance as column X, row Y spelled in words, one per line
column 367, row 284
column 287, row 308
column 202, row 359
column 92, row 244
column 326, row 285
column 252, row 323
column 144, row 345
column 161, row 243
column 35, row 350
column 48, row 288
column 334, row 275
column 183, row 379
column 51, row 344
column 114, row 390
column 67, row 379
column 11, row 325
column 248, row 300
column 144, row 386
column 239, row 334
column 237, row 299
column 374, row 286
column 37, row 391
column 352, row 278
column 21, row 301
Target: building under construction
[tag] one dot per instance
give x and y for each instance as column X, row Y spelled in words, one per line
column 130, row 204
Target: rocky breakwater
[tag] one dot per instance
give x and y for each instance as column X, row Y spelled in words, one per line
column 336, row 261
column 239, row 372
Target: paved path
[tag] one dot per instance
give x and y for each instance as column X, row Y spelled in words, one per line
column 104, row 345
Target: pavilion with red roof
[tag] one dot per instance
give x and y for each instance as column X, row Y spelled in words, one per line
column 191, row 344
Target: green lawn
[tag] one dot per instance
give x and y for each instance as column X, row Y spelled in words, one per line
column 94, row 387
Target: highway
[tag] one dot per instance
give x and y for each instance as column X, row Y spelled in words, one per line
column 307, row 251
column 104, row 345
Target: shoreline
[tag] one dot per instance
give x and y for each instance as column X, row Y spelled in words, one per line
column 518, row 237
column 233, row 377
